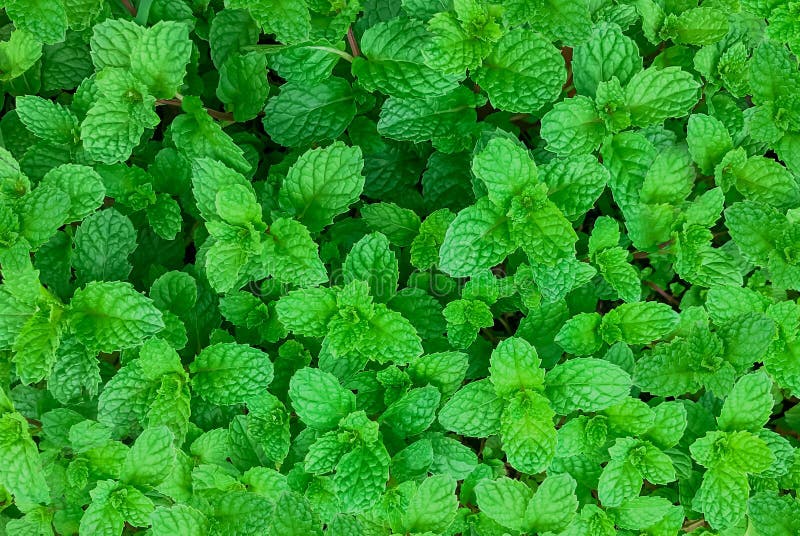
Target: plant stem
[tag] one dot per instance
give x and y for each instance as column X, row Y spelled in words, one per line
column 689, row 526
column 216, row 114
column 663, row 293
column 143, row 12
column 645, row 254
column 130, row 7
column 351, row 38
column 341, row 53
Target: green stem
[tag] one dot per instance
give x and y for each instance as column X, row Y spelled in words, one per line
column 331, row 50
column 143, row 12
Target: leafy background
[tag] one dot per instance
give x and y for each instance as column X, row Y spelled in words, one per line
column 288, row 267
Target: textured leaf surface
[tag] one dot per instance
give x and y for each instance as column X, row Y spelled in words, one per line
column 522, row 73
column 219, row 370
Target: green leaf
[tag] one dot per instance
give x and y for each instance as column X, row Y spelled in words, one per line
column 476, row 240
column 18, row 54
column 722, row 497
column 150, row 459
column 515, row 367
column 641, row 512
column 82, row 184
column 399, row 225
column 447, row 120
column 773, row 514
column 196, row 135
column 638, row 323
column 289, row 20
column 750, row 224
column 113, row 41
column 35, row 347
column 619, row 482
column 523, row 73
column 528, row 432
column 319, row 399
column 301, row 115
column 361, row 477
column 670, row 178
column 464, row 319
column 307, row 311
column 443, row 370
column 608, row 53
column 587, row 384
column 165, row 217
column 159, row 58
column 506, row 169
column 47, row 120
column 243, row 85
column 323, row 183
column 21, row 472
column 620, row 273
column 75, row 372
column 766, row 181
column 213, row 184
column 393, row 64
column 452, row 49
column 573, row 127
column 292, row 254
column 41, row 212
column 178, row 519
column 574, row 184
column 389, row 337
column 708, row 141
column 414, row 412
column 653, row 95
column 103, row 243
column 505, row 501
column 739, row 451
column 372, row 261
column 230, row 31
column 541, row 229
column 46, row 20
column 230, row 373
column 579, row 335
column 110, row 316
column 749, row 404
column 553, row 506
column 698, row 26
column 474, row 410
column 433, row 507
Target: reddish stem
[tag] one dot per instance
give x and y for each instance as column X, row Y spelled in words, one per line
column 645, row 254
column 351, row 39
column 130, row 7
column 690, row 526
column 216, row 114
column 663, row 293
column 567, row 53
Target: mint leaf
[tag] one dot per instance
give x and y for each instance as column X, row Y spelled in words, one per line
column 588, row 384
column 394, row 67
column 477, row 239
column 305, row 267
column 507, row 73
column 323, row 183
column 319, row 398
column 298, row 117
column 112, row 316
column 216, row 372
column 653, row 95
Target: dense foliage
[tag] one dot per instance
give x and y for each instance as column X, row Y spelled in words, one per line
column 294, row 267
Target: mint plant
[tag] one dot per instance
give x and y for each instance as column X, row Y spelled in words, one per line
column 419, row 267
